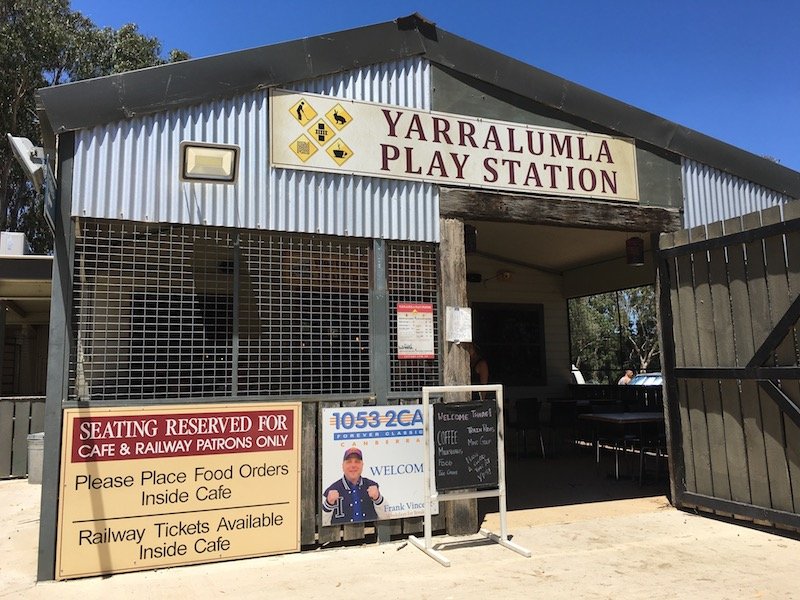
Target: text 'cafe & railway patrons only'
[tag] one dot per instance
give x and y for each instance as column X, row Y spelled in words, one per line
column 164, row 486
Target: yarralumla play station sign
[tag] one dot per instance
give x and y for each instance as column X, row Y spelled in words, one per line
column 324, row 133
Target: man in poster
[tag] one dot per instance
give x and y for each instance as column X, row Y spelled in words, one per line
column 353, row 498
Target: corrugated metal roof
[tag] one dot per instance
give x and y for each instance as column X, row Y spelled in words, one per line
column 129, row 169
column 86, row 104
column 711, row 195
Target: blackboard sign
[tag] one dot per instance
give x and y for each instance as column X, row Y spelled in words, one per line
column 465, row 439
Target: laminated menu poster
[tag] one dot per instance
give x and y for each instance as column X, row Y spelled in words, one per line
column 415, row 330
column 466, row 445
column 159, row 486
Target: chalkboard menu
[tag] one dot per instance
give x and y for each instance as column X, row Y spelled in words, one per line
column 465, row 437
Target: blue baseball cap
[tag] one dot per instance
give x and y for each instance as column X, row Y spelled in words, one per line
column 353, row 452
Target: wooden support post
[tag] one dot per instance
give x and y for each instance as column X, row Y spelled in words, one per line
column 461, row 515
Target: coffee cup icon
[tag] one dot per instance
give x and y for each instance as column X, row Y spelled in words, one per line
column 339, row 153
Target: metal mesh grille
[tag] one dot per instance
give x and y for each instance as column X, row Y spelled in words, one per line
column 304, row 315
column 152, row 311
column 156, row 316
column 412, row 278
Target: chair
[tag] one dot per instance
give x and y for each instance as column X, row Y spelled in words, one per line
column 619, row 442
column 619, row 445
column 527, row 419
column 652, row 445
column 562, row 420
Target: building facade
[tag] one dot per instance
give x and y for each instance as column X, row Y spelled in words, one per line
column 287, row 283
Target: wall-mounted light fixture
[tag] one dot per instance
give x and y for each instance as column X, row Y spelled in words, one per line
column 34, row 162
column 634, row 251
column 30, row 158
column 210, row 163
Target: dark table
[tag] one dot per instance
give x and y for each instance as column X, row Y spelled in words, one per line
column 624, row 418
column 619, row 422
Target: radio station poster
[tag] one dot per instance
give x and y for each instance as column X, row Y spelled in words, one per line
column 372, row 464
column 415, row 330
column 160, row 486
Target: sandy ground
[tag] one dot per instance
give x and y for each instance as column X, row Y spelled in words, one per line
column 635, row 548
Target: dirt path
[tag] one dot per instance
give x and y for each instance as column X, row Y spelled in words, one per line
column 639, row 548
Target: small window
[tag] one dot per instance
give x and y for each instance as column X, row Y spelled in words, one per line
column 511, row 339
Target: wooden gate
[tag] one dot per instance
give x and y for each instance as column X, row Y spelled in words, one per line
column 19, row 416
column 730, row 301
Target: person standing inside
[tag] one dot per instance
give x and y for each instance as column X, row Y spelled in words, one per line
column 478, row 367
column 626, row 378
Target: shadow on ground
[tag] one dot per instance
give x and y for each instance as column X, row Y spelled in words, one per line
column 572, row 477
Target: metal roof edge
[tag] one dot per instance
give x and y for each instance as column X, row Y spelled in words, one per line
column 88, row 103
column 555, row 92
column 84, row 104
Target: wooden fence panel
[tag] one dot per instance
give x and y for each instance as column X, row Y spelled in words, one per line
column 330, row 533
column 745, row 348
column 735, row 300
column 18, row 417
column 777, row 287
column 791, row 429
column 777, row 480
column 19, row 446
column 681, row 268
column 6, row 436
column 309, row 487
column 695, row 408
column 730, row 402
column 37, row 416
column 707, row 347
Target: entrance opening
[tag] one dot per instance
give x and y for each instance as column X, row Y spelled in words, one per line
column 536, row 283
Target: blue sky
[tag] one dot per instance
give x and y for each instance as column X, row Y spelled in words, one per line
column 727, row 68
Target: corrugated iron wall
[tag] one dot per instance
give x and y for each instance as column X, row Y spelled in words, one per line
column 129, row 170
column 711, row 195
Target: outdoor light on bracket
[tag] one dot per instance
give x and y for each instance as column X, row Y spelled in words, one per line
column 30, row 158
column 634, row 251
column 209, row 163
column 33, row 161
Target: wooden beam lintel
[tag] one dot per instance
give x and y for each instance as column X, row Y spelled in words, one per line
column 480, row 205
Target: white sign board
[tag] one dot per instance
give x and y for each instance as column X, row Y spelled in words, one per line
column 325, row 133
column 373, row 458
column 459, row 324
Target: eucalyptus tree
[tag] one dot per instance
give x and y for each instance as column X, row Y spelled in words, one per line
column 614, row 331
column 43, row 43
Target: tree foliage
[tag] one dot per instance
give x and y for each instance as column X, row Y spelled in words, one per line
column 614, row 331
column 43, row 43
column 639, row 325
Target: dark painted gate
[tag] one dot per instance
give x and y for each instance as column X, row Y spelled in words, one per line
column 730, row 301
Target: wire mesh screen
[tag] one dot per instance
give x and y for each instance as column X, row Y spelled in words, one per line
column 304, row 315
column 152, row 311
column 412, row 278
column 157, row 312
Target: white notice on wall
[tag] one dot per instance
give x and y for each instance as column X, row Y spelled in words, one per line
column 459, row 324
column 415, row 330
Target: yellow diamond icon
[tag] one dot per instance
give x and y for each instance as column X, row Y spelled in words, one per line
column 339, row 152
column 339, row 117
column 302, row 111
column 303, row 147
column 321, row 132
